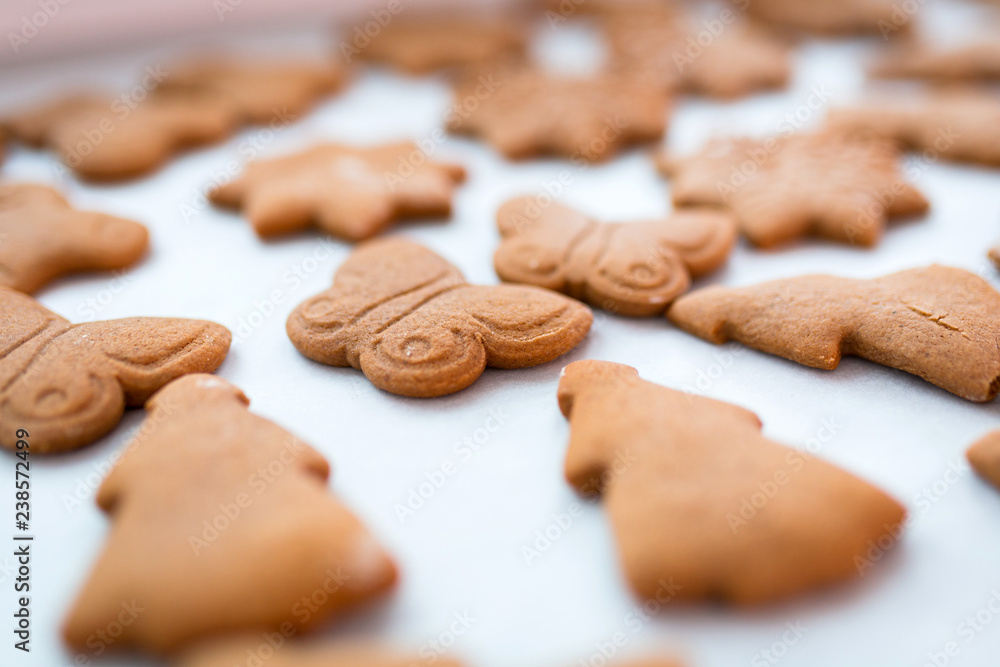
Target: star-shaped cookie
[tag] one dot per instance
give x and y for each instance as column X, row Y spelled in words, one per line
column 42, row 237
column 105, row 139
column 740, row 60
column 957, row 125
column 827, row 184
column 524, row 112
column 261, row 92
column 832, row 16
column 424, row 43
column 349, row 192
column 973, row 62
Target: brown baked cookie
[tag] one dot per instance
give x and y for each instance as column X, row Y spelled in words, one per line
column 103, row 139
column 262, row 91
column 978, row 61
column 407, row 319
column 939, row 323
column 831, row 16
column 680, row 476
column 830, row 184
column 68, row 384
column 350, row 192
column 43, row 238
column 221, row 522
column 228, row 653
column 634, row 268
column 524, row 112
column 984, row 456
column 427, row 42
column 740, row 60
column 958, row 125
column 994, row 255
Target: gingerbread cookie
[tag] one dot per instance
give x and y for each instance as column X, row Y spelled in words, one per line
column 679, row 476
column 68, row 384
column 632, row 269
column 221, row 523
column 958, row 125
column 831, row 16
column 424, row 43
column 523, row 112
column 939, row 323
column 742, row 59
column 261, row 92
column 102, row 139
column 43, row 238
column 350, row 192
column 829, row 184
column 407, row 319
column 978, row 61
column 984, row 456
column 330, row 654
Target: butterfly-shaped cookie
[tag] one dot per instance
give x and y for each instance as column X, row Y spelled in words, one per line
column 702, row 502
column 68, row 384
column 261, row 92
column 110, row 139
column 350, row 192
column 42, row 238
column 633, row 268
column 939, row 323
column 410, row 322
column 221, row 523
column 830, row 184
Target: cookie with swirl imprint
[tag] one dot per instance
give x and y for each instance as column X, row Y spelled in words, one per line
column 635, row 268
column 407, row 318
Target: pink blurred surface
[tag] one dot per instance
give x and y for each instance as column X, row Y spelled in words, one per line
column 40, row 29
